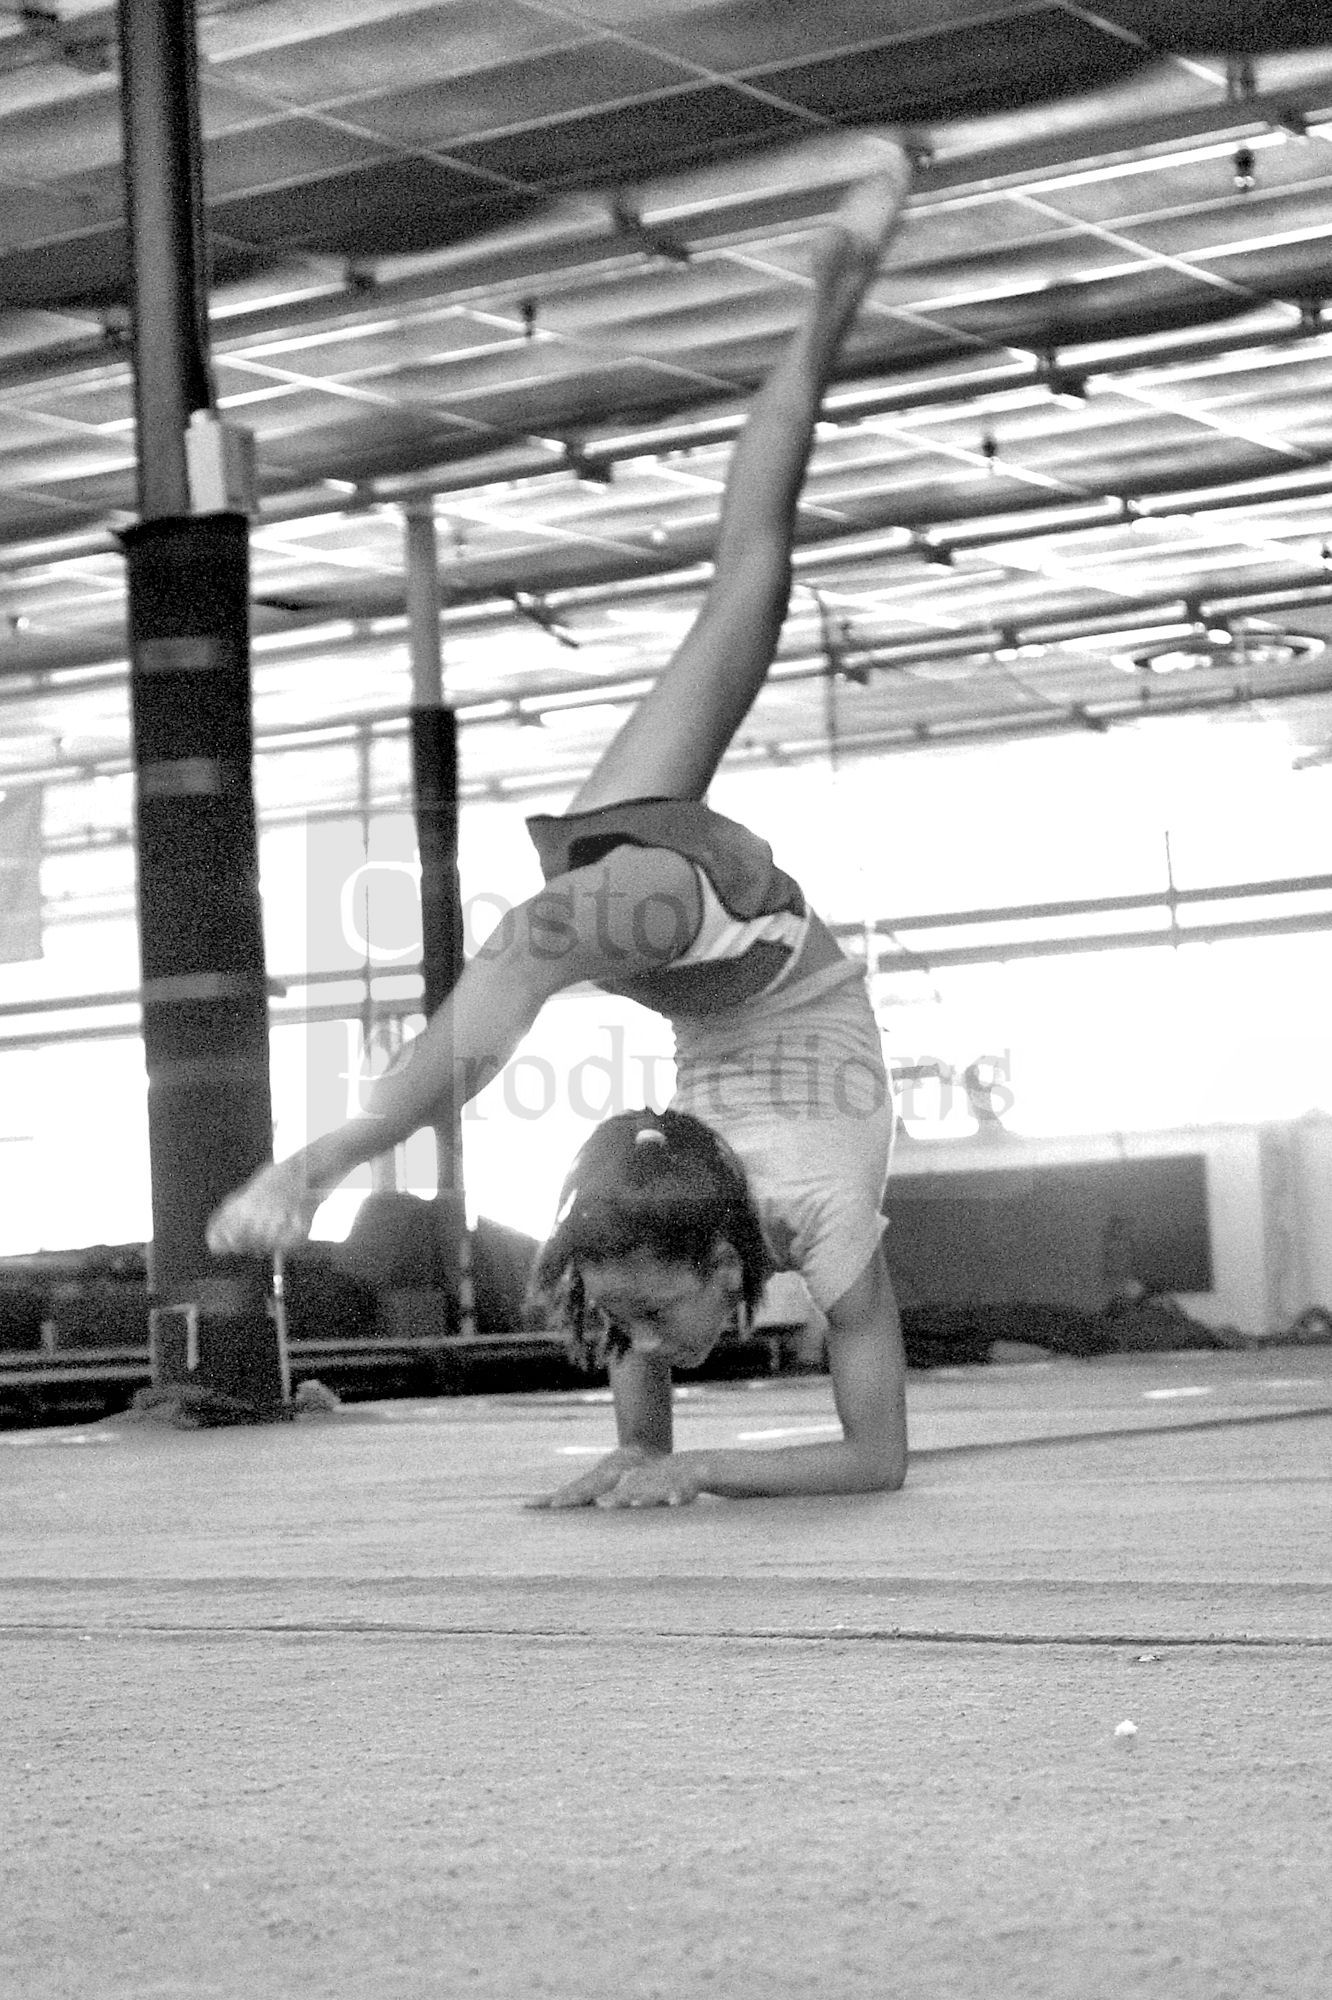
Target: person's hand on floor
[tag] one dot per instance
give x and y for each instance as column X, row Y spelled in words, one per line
column 632, row 1476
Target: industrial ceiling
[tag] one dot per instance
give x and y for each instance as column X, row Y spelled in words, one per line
column 521, row 263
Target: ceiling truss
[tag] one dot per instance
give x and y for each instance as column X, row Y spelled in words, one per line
column 524, row 265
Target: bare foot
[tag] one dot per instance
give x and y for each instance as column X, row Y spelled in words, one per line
column 870, row 213
column 822, row 166
column 847, row 254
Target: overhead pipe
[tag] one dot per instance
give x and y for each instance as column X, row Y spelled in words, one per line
column 562, row 243
column 931, row 920
column 898, row 539
column 914, row 959
column 516, row 460
column 1089, row 906
column 894, row 655
column 508, row 459
column 919, row 959
column 1143, row 700
column 925, row 958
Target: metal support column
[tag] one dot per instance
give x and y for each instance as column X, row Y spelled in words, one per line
column 435, row 796
column 205, row 1013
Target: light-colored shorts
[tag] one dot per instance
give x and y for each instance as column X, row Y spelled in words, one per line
column 795, row 1083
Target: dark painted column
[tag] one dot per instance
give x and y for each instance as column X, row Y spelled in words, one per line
column 435, row 780
column 205, row 1013
column 435, row 796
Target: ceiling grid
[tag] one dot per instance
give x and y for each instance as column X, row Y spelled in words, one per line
column 527, row 260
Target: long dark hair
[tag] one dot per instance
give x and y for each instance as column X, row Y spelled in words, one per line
column 646, row 1180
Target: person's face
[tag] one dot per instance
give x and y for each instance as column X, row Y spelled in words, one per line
column 662, row 1307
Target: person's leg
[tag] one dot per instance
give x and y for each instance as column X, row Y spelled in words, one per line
column 672, row 743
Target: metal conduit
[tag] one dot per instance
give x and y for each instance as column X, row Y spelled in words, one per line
column 1309, row 586
column 1165, row 900
column 1153, row 703
column 849, row 402
column 911, row 960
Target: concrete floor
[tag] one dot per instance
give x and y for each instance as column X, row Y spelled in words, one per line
column 320, row 1710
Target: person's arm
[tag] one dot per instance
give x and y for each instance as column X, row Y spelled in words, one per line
column 466, row 1043
column 641, row 1386
column 868, row 1368
column 635, row 907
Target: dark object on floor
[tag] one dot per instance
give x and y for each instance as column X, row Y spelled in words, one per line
column 1159, row 1325
column 402, row 1243
column 183, row 1408
column 962, row 1336
column 324, row 1300
column 314, row 1399
column 1313, row 1328
column 22, row 1310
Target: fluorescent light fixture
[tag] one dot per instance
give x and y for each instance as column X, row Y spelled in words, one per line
column 330, row 337
column 982, row 295
column 583, row 698
column 225, row 309
column 672, row 437
column 1276, row 240
column 1156, row 163
column 334, row 633
column 574, row 720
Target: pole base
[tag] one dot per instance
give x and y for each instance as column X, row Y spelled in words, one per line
column 217, row 1367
